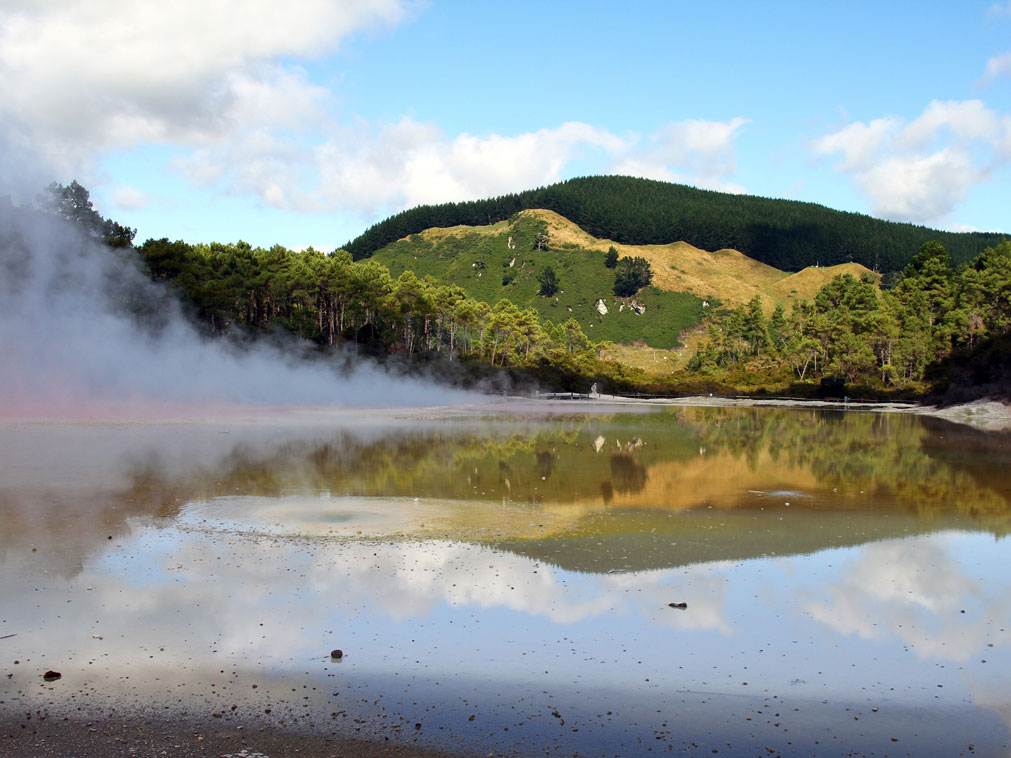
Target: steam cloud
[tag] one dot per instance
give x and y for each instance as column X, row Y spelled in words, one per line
column 83, row 331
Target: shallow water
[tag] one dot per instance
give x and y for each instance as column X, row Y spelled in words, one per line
column 501, row 582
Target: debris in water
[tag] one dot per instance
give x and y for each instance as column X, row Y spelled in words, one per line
column 51, row 676
column 337, row 653
column 677, row 605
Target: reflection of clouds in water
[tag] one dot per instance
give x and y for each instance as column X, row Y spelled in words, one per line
column 413, row 579
column 263, row 598
column 456, row 612
column 913, row 590
column 648, row 594
column 410, row 579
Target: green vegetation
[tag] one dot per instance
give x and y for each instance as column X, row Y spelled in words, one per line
column 73, row 204
column 469, row 257
column 427, row 298
column 549, row 282
column 853, row 333
column 631, row 275
column 611, row 259
column 890, row 456
column 783, row 233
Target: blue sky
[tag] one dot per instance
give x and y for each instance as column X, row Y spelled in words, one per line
column 303, row 123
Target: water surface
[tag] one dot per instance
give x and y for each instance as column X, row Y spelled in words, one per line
column 501, row 582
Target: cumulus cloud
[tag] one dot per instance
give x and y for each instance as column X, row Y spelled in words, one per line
column 129, row 197
column 693, row 151
column 646, row 169
column 999, row 65
column 373, row 169
column 704, row 146
column 911, row 590
column 79, row 76
column 409, row 163
column 219, row 82
column 921, row 170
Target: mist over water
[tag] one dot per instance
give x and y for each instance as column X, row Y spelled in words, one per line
column 84, row 331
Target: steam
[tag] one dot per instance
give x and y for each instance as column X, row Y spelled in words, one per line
column 83, row 331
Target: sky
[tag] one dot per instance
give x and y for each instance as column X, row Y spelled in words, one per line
column 305, row 122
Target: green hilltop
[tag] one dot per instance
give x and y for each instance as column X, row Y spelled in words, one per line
column 787, row 234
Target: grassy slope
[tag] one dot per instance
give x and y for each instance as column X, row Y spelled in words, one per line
column 684, row 277
column 477, row 258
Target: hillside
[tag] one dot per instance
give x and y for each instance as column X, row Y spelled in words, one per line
column 500, row 261
column 786, row 234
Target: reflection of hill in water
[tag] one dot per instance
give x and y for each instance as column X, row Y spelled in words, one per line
column 714, row 536
column 606, row 479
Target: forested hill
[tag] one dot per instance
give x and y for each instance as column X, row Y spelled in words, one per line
column 786, row 234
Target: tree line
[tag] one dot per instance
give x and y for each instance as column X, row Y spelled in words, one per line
column 787, row 234
column 333, row 300
column 852, row 331
column 856, row 333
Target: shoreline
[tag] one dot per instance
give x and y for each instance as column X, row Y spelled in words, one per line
column 50, row 736
column 984, row 415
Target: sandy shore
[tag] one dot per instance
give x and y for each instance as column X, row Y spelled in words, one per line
column 30, row 735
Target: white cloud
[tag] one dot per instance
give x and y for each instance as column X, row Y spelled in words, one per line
column 80, row 76
column 129, row 197
column 911, row 590
column 703, row 146
column 215, row 80
column 858, row 141
column 1000, row 9
column 410, row 163
column 693, row 151
column 999, row 65
column 652, row 170
column 371, row 170
column 921, row 187
column 964, row 120
column 921, row 170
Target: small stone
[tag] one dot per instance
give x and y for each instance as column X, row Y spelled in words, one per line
column 51, row 676
column 337, row 653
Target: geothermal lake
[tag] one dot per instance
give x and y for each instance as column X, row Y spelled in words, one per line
column 499, row 580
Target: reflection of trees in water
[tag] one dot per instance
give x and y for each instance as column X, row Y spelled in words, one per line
column 918, row 462
column 501, row 460
column 926, row 466
column 545, row 463
column 606, row 491
column 628, row 476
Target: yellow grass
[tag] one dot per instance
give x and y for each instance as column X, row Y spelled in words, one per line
column 728, row 276
column 806, row 282
column 439, row 233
